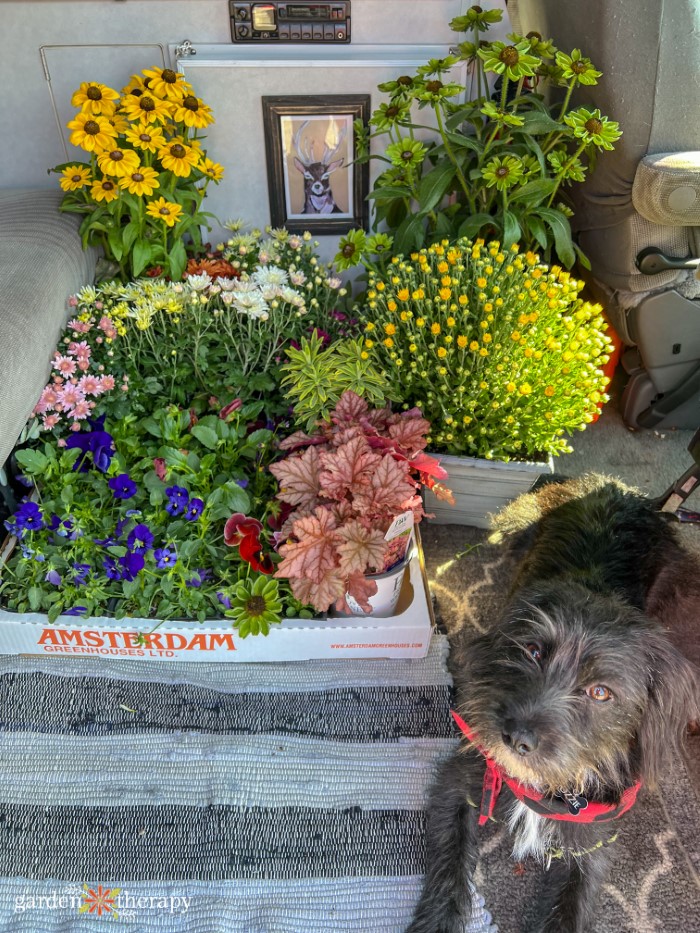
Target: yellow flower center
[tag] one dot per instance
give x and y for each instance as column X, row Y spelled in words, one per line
column 91, row 127
column 147, row 103
column 169, row 76
column 93, row 93
column 177, row 151
column 191, row 103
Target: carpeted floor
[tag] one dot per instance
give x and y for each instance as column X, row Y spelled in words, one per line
column 654, row 886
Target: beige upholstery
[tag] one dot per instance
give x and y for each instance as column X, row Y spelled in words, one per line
column 41, row 264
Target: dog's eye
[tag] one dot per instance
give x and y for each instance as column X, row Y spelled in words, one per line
column 534, row 651
column 599, row 693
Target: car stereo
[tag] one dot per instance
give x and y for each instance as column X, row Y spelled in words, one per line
column 280, row 21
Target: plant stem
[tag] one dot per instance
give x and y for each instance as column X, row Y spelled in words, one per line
column 561, row 175
column 452, row 157
column 567, row 97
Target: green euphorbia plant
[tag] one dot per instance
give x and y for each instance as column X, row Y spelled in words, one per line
column 491, row 167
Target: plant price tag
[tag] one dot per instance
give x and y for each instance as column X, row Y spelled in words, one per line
column 399, row 537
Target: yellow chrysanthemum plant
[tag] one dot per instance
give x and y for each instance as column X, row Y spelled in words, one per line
column 142, row 189
column 497, row 349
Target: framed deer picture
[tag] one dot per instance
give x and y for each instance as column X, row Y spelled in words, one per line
column 313, row 180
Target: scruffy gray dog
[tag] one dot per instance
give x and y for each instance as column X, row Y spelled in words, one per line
column 571, row 704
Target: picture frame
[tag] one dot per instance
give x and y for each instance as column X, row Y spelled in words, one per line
column 314, row 181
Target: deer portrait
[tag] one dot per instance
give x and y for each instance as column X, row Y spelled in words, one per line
column 318, row 197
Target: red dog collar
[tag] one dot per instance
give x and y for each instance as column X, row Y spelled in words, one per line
column 551, row 807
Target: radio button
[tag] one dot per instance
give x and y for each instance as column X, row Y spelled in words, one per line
column 284, row 31
column 328, row 33
column 306, row 34
column 296, row 35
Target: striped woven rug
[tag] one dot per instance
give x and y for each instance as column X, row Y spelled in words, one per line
column 269, row 798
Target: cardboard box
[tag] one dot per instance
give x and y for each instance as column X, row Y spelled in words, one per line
column 404, row 635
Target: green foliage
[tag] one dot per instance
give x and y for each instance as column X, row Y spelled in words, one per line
column 495, row 169
column 316, row 376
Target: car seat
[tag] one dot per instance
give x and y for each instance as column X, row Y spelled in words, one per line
column 637, row 215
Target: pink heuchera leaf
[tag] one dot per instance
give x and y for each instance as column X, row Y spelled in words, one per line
column 350, row 408
column 443, row 493
column 298, row 476
column 389, row 489
column 410, row 433
column 300, row 439
column 314, row 553
column 362, row 549
column 360, row 588
column 323, row 594
column 424, row 463
column 347, row 469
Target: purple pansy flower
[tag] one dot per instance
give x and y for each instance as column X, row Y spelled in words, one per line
column 178, row 497
column 110, row 568
column 81, row 572
column 75, row 611
column 243, row 483
column 224, row 600
column 99, row 444
column 122, row 486
column 165, row 557
column 53, row 577
column 194, row 509
column 132, row 565
column 28, row 517
column 140, row 539
column 198, row 577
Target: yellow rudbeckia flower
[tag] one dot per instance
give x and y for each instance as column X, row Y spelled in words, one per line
column 143, row 181
column 91, row 133
column 166, row 83
column 178, row 158
column 104, row 190
column 75, row 177
column 118, row 161
column 146, row 108
column 145, row 137
column 95, row 98
column 211, row 169
column 164, row 210
column 192, row 112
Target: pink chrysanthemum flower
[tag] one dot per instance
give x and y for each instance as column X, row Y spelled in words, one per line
column 79, row 327
column 64, row 364
column 90, row 385
column 83, row 364
column 70, row 396
column 107, row 382
column 80, row 349
column 81, row 410
column 49, row 421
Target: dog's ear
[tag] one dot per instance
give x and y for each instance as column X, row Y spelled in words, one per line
column 673, row 702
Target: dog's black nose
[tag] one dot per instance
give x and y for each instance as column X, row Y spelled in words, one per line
column 522, row 741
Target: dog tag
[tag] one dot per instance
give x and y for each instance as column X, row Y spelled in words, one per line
column 575, row 802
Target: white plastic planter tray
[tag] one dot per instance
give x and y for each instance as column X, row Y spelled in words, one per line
column 404, row 635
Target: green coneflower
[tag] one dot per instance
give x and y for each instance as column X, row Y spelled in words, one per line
column 502, row 172
column 401, row 87
column 512, row 61
column 578, row 67
column 406, row 152
column 592, row 127
column 538, row 46
column 379, row 244
column 498, row 115
column 435, row 90
column 350, row 250
column 255, row 606
column 437, row 66
column 476, row 18
column 388, row 115
column 571, row 169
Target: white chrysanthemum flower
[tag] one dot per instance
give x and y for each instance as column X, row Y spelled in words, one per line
column 199, row 282
column 270, row 292
column 334, row 282
column 270, row 275
column 234, row 225
column 291, row 297
column 251, row 303
column 297, row 278
column 87, row 294
column 227, row 285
